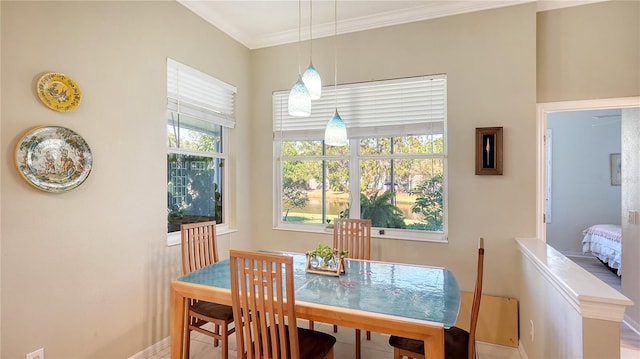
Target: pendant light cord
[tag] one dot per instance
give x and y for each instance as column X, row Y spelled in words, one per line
column 311, row 30
column 299, row 34
column 335, row 51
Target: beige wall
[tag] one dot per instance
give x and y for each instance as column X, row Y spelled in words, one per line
column 66, row 257
column 589, row 52
column 491, row 82
column 85, row 274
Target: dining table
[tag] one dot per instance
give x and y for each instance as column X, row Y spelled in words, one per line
column 408, row 300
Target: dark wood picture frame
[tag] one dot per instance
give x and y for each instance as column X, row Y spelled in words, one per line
column 489, row 151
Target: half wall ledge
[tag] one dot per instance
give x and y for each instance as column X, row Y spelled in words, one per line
column 590, row 296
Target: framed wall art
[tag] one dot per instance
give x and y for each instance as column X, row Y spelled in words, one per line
column 489, row 151
column 615, row 169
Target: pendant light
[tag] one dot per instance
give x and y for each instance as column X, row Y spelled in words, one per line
column 311, row 77
column 299, row 98
column 336, row 132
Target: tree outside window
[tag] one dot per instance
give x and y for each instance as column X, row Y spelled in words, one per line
column 194, row 171
column 400, row 182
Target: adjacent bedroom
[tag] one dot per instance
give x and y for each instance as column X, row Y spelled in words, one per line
column 583, row 212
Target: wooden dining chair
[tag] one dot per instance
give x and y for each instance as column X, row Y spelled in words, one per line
column 199, row 250
column 264, row 306
column 458, row 343
column 354, row 237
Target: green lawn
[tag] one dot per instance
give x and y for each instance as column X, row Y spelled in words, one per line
column 298, row 217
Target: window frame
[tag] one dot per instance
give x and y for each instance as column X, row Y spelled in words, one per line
column 188, row 103
column 173, row 238
column 354, row 159
column 361, row 104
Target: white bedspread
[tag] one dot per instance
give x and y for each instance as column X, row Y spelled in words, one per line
column 605, row 242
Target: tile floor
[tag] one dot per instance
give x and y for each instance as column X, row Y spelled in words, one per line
column 377, row 348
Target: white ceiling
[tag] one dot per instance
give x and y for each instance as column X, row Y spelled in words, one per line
column 263, row 23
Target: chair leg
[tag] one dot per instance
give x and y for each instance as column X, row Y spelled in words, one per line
column 358, row 344
column 330, row 354
column 187, row 342
column 311, row 324
column 396, row 353
column 216, row 329
column 368, row 335
column 335, row 328
column 225, row 341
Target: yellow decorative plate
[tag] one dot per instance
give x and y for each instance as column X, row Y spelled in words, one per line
column 58, row 92
column 53, row 158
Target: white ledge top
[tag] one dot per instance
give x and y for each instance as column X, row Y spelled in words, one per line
column 589, row 295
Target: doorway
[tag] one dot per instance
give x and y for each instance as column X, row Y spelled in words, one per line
column 580, row 192
column 543, row 110
column 630, row 116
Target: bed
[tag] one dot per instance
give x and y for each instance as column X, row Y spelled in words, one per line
column 604, row 241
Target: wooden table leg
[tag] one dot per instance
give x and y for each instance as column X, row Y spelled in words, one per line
column 434, row 345
column 178, row 303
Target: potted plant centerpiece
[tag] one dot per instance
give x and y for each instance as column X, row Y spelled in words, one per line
column 321, row 256
column 325, row 260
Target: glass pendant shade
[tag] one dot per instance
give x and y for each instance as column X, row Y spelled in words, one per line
column 299, row 100
column 336, row 132
column 312, row 81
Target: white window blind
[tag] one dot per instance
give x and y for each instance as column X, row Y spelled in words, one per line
column 194, row 93
column 404, row 106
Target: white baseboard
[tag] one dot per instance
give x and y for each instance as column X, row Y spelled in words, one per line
column 153, row 350
column 523, row 354
column 632, row 324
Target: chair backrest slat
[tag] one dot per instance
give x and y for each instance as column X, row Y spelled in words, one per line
column 264, row 299
column 198, row 245
column 477, row 295
column 354, row 236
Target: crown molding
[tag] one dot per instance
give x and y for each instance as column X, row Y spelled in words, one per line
column 208, row 13
column 546, row 5
column 430, row 10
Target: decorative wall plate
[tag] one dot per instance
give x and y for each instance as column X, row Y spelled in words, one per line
column 53, row 158
column 58, row 92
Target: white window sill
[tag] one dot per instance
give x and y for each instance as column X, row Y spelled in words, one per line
column 173, row 238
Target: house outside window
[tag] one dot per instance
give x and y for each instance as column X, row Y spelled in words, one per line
column 199, row 116
column 393, row 171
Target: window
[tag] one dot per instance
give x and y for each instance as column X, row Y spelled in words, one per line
column 392, row 171
column 200, row 113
